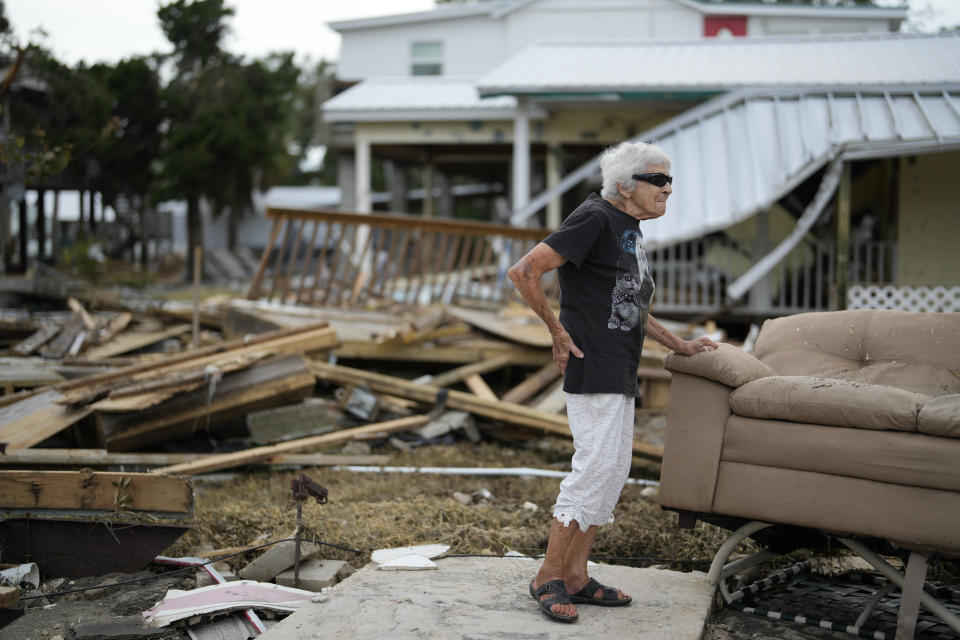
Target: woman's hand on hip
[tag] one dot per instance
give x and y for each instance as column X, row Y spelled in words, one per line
column 563, row 347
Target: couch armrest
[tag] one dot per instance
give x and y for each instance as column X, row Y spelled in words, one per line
column 696, row 421
column 727, row 365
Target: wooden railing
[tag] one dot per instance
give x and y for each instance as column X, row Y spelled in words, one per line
column 333, row 258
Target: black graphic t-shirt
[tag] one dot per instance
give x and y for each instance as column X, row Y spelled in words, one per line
column 605, row 293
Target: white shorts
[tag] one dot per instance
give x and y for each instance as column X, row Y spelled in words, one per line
column 602, row 428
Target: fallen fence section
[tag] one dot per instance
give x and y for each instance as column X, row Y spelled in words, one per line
column 347, row 259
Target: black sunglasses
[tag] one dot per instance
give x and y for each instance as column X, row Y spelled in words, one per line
column 657, row 179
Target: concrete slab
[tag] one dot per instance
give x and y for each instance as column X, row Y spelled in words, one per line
column 316, row 574
column 488, row 599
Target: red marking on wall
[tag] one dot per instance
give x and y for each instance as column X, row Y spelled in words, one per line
column 734, row 25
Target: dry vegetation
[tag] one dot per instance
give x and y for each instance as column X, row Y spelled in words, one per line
column 370, row 511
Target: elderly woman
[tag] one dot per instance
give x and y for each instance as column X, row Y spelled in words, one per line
column 605, row 293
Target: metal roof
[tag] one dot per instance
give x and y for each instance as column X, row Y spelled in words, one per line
column 739, row 153
column 499, row 8
column 712, row 65
column 398, row 99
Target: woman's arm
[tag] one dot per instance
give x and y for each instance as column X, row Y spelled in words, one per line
column 526, row 276
column 674, row 342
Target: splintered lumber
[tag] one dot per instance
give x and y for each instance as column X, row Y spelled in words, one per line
column 114, row 327
column 133, row 340
column 26, row 372
column 269, row 384
column 67, row 342
column 534, row 383
column 36, row 418
column 479, row 387
column 464, row 372
column 327, row 440
column 497, row 410
column 554, row 400
column 525, row 329
column 36, row 340
column 280, row 343
column 95, row 491
column 465, row 352
column 103, row 458
column 289, row 422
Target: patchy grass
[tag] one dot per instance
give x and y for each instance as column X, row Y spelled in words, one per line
column 370, row 511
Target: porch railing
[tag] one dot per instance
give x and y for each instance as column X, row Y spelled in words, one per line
column 343, row 259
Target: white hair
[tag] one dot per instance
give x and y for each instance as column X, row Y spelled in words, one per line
column 619, row 163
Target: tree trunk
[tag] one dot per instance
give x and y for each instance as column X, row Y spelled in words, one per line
column 24, row 233
column 144, row 210
column 93, row 213
column 81, row 219
column 55, row 228
column 232, row 223
column 194, row 232
column 41, row 224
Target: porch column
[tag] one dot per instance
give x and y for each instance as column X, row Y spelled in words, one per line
column 346, row 178
column 396, row 174
column 761, row 294
column 445, row 199
column 554, row 175
column 362, row 174
column 41, row 224
column 521, row 155
column 429, row 168
column 839, row 298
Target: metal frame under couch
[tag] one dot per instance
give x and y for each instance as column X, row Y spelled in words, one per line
column 841, row 424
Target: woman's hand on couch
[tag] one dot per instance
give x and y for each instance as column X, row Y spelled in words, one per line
column 697, row 345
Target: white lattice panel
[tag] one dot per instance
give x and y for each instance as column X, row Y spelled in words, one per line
column 919, row 299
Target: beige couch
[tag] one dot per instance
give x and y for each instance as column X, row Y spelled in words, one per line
column 842, row 423
column 845, row 421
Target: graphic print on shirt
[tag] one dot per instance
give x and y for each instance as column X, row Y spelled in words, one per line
column 631, row 295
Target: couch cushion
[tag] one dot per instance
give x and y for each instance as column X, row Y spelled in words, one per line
column 885, row 456
column 913, row 351
column 941, row 417
column 727, row 365
column 828, row 401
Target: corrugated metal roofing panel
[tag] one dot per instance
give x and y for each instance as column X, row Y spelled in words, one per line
column 712, row 64
column 739, row 153
column 418, row 93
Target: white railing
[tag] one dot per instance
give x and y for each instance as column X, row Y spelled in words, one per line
column 917, row 299
column 692, row 277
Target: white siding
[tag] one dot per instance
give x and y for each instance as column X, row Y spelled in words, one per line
column 771, row 26
column 604, row 20
column 471, row 46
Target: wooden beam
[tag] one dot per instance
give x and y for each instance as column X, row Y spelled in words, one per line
column 457, row 353
column 479, row 387
column 103, row 458
column 270, row 384
column 327, row 440
column 497, row 410
column 536, row 381
column 133, row 340
column 35, row 418
column 466, row 371
column 95, row 491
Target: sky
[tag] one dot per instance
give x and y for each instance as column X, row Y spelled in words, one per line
column 110, row 30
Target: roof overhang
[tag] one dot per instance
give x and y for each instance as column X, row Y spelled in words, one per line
column 426, row 115
column 794, row 10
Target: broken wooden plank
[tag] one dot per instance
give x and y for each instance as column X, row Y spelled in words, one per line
column 103, row 458
column 464, row 372
column 95, row 491
column 535, row 382
column 22, row 373
column 327, row 440
column 290, row 422
column 133, row 340
column 554, row 400
column 35, row 418
column 113, row 327
column 36, row 340
column 455, row 353
column 89, row 322
column 479, row 387
column 525, row 329
column 67, row 342
column 499, row 410
column 269, row 384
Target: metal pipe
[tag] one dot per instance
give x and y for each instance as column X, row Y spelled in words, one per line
column 881, row 565
column 478, row 471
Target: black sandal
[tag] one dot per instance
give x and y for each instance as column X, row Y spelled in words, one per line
column 608, row 597
column 560, row 596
